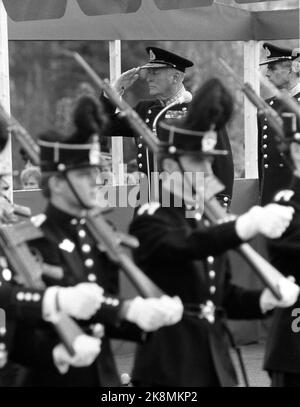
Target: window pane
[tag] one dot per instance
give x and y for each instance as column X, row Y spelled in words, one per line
column 26, row 10
column 99, row 7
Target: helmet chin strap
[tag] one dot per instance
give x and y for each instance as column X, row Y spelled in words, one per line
column 74, row 191
column 182, row 170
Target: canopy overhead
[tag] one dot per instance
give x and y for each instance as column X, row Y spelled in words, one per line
column 146, row 20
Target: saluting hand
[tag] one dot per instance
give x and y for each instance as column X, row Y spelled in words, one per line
column 126, row 80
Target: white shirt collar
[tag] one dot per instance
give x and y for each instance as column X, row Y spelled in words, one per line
column 295, row 90
column 172, row 99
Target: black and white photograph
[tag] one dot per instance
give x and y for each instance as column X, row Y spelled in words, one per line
column 149, row 199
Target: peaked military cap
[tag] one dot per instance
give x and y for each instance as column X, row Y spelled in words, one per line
column 160, row 58
column 177, row 140
column 278, row 54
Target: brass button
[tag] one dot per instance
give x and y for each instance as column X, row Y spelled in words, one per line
column 212, row 274
column 92, row 277
column 89, row 263
column 81, row 233
column 86, row 248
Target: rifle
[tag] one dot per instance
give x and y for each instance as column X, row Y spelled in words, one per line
column 111, row 242
column 28, row 272
column 21, row 134
column 215, row 213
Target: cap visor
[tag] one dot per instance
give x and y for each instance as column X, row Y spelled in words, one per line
column 154, row 65
column 275, row 59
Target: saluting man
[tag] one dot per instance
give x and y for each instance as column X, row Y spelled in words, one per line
column 186, row 256
column 164, row 73
column 283, row 70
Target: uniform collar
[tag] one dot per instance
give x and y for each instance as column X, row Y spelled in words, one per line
column 60, row 217
column 181, row 206
column 295, row 90
column 166, row 102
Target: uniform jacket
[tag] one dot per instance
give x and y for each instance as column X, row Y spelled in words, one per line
column 148, row 110
column 283, row 345
column 67, row 244
column 185, row 258
column 274, row 173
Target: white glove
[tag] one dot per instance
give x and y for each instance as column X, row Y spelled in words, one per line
column 81, row 301
column 152, row 313
column 270, row 221
column 86, row 348
column 173, row 308
column 126, row 80
column 289, row 292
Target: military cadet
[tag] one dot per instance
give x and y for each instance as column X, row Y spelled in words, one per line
column 32, row 305
column 283, row 71
column 70, row 171
column 186, row 257
column 282, row 356
column 164, row 73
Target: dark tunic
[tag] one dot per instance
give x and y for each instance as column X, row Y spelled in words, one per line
column 68, row 244
column 274, row 172
column 185, row 258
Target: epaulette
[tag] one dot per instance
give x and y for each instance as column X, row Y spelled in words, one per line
column 38, row 220
column 149, row 208
column 284, row 195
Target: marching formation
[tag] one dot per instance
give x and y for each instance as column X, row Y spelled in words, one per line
column 60, row 270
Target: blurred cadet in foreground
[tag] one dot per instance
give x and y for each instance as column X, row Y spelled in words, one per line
column 29, row 305
column 186, row 256
column 69, row 181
